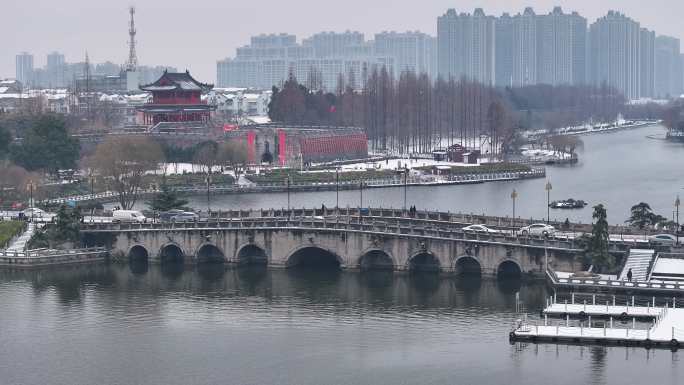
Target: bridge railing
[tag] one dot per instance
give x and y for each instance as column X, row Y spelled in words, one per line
column 336, row 223
column 41, row 253
column 613, row 284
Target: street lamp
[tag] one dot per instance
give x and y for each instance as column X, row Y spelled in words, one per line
column 337, row 188
column 92, row 196
column 677, row 203
column 209, row 195
column 30, row 187
column 360, row 196
column 548, row 189
column 405, row 184
column 514, row 196
column 287, row 184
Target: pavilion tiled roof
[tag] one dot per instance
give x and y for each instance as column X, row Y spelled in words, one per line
column 170, row 81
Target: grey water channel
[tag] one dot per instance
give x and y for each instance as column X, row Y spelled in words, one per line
column 618, row 169
column 119, row 324
column 140, row 324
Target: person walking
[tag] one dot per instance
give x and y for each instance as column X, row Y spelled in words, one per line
column 629, row 275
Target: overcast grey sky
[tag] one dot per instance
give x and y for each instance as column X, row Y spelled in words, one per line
column 193, row 34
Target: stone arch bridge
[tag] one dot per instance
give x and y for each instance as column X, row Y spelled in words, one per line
column 338, row 241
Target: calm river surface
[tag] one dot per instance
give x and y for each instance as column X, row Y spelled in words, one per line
column 617, row 169
column 109, row 325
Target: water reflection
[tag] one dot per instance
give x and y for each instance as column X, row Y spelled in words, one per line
column 139, row 266
column 372, row 327
column 211, row 272
column 172, row 270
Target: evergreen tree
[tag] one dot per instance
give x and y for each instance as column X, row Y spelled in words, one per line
column 642, row 216
column 46, row 146
column 167, row 199
column 5, row 140
column 67, row 226
column 598, row 245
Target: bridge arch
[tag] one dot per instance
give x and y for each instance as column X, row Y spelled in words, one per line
column 376, row 259
column 171, row 253
column 313, row 255
column 209, row 253
column 509, row 268
column 468, row 265
column 251, row 254
column 424, row 261
column 138, row 254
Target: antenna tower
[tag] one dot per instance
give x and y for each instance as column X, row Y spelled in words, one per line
column 132, row 63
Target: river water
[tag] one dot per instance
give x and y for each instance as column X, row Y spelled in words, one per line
column 110, row 325
column 617, row 169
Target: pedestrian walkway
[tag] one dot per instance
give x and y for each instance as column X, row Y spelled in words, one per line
column 19, row 244
column 639, row 261
column 666, row 328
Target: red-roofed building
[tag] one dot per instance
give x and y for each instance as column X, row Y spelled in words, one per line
column 176, row 97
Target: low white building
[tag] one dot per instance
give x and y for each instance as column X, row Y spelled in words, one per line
column 239, row 101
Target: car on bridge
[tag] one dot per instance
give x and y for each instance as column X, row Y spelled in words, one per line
column 539, row 229
column 663, row 239
column 178, row 216
column 480, row 229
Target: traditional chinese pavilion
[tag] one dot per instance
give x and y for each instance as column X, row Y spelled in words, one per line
column 176, row 97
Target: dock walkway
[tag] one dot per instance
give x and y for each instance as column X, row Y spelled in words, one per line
column 666, row 329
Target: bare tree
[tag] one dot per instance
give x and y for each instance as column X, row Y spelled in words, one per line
column 123, row 161
column 207, row 156
column 233, row 154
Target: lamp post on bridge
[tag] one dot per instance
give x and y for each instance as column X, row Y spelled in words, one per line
column 406, row 171
column 548, row 189
column 92, row 195
column 361, row 195
column 514, row 196
column 677, row 203
column 208, row 180
column 287, row 187
column 337, row 188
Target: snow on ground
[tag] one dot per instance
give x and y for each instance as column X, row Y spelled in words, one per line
column 550, row 154
column 669, row 266
column 184, row 168
column 396, row 164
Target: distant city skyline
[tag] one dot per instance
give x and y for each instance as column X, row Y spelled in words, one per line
column 214, row 29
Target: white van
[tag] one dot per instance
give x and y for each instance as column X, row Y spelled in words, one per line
column 128, row 216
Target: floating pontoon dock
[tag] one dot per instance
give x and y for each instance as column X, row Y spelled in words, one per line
column 666, row 327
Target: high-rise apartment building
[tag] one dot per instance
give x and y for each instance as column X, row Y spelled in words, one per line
column 24, row 68
column 466, row 45
column 615, row 42
column 56, row 70
column 647, row 63
column 503, row 51
column 516, row 49
column 319, row 59
column 412, row 51
column 561, row 48
column 668, row 67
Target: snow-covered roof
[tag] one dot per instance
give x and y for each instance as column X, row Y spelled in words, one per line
column 669, row 266
column 259, row 119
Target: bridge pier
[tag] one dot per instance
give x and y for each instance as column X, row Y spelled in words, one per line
column 342, row 244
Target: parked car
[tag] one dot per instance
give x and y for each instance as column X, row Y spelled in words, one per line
column 128, row 216
column 541, row 229
column 178, row 216
column 663, row 239
column 479, row 229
